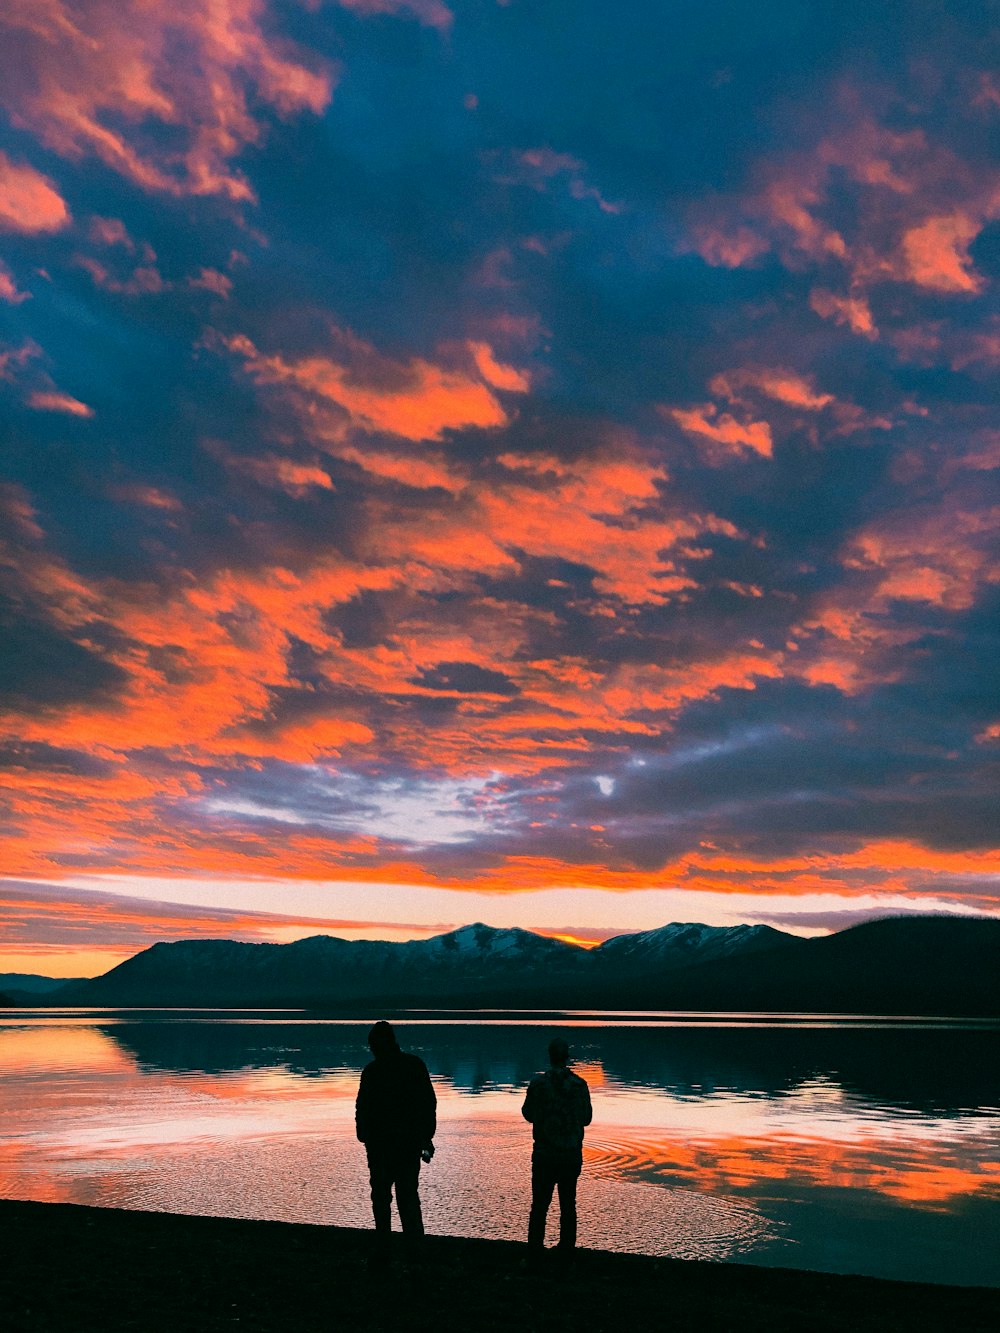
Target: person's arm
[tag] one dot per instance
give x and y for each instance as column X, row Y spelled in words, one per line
column 362, row 1108
column 429, row 1109
column 529, row 1109
column 586, row 1110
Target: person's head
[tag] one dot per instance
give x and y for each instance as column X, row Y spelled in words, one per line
column 558, row 1052
column 382, row 1039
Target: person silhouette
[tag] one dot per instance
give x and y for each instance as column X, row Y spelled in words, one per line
column 557, row 1106
column 395, row 1117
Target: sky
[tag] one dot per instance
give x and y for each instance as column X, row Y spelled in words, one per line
column 501, row 461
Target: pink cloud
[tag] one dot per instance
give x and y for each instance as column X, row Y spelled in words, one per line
column 432, row 13
column 144, row 280
column 109, row 231
column 283, row 474
column 29, row 202
column 537, row 166
column 753, row 390
column 149, row 497
column 783, row 386
column 854, row 311
column 54, row 400
column 92, row 80
column 8, row 287
column 211, row 280
column 727, row 247
column 13, row 360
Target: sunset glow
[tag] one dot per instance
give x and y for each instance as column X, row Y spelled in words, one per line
column 464, row 465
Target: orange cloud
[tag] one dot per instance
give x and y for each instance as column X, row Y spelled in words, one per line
column 429, row 471
column 722, row 429
column 284, row 474
column 29, row 202
column 917, row 207
column 936, row 253
column 591, row 514
column 416, row 400
column 939, row 555
column 496, row 373
column 89, row 80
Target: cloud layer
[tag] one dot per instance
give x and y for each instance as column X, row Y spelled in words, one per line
column 451, row 450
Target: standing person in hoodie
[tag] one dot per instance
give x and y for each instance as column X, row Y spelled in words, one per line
column 557, row 1106
column 396, row 1118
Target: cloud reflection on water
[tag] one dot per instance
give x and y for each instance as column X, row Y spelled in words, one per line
column 705, row 1143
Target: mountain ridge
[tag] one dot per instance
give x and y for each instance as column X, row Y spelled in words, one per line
column 920, row 965
column 475, row 958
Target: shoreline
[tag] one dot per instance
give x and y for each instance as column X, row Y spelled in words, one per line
column 74, row 1267
column 587, row 1017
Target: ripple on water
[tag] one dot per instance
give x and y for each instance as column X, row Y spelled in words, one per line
column 478, row 1185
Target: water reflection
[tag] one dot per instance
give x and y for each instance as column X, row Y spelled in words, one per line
column 918, row 1068
column 857, row 1149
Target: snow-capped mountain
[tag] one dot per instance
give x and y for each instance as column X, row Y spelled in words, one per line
column 325, row 969
column 681, row 944
column 914, row 965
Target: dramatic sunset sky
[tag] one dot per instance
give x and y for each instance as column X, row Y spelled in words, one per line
column 521, row 460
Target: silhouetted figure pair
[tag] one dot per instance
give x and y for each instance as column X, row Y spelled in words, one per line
column 396, row 1118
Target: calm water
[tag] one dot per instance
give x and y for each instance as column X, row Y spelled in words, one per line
column 829, row 1145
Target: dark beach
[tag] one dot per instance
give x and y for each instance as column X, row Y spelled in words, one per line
column 67, row 1267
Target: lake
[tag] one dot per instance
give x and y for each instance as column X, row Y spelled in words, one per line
column 856, row 1146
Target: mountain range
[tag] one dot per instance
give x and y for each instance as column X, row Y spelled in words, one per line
column 904, row 965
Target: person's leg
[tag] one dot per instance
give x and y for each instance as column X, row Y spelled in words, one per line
column 568, row 1177
column 380, row 1175
column 407, row 1178
column 543, row 1182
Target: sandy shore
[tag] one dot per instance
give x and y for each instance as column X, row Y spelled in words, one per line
column 72, row 1268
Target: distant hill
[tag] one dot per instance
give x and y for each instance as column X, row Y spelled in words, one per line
column 34, row 984
column 898, row 965
column 917, row 965
column 27, row 988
